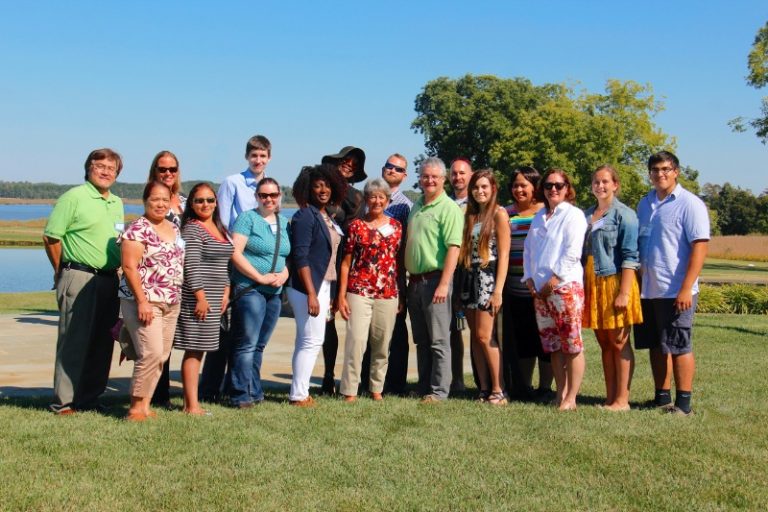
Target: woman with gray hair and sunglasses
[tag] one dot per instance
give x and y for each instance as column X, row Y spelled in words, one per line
column 369, row 298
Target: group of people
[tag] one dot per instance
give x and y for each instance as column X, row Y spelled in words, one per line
column 371, row 255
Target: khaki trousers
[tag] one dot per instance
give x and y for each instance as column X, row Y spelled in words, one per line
column 153, row 343
column 371, row 321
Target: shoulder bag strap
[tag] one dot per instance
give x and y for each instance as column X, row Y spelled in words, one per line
column 274, row 263
column 277, row 244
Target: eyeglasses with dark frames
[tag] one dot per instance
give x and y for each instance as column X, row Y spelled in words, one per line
column 201, row 200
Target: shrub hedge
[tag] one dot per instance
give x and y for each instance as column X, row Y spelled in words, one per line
column 739, row 299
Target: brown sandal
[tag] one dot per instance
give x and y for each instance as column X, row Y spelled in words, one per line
column 497, row 398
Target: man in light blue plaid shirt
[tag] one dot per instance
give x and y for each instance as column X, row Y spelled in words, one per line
column 394, row 173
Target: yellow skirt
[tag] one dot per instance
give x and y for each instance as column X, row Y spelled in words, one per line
column 599, row 294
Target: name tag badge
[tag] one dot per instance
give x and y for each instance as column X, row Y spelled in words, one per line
column 338, row 229
column 598, row 224
column 386, row 230
column 181, row 243
column 119, row 227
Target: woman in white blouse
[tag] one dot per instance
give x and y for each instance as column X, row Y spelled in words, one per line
column 554, row 275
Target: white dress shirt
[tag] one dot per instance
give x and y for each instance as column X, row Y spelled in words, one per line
column 553, row 246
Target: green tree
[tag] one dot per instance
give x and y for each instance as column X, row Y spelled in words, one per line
column 738, row 210
column 757, row 63
column 503, row 123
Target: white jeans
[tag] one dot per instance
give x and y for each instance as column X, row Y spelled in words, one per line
column 310, row 334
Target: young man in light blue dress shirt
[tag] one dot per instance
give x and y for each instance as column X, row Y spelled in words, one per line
column 673, row 239
column 237, row 192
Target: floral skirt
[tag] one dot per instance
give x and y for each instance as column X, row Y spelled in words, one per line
column 599, row 294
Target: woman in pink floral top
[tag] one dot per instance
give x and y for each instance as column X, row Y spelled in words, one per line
column 153, row 271
column 368, row 293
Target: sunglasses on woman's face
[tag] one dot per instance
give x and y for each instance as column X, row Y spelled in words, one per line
column 163, row 170
column 268, row 195
column 559, row 186
column 201, row 200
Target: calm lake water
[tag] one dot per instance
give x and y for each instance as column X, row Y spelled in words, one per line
column 24, row 270
column 28, row 270
column 42, row 211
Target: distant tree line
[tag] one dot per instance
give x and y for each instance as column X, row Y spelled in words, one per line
column 736, row 211
column 29, row 190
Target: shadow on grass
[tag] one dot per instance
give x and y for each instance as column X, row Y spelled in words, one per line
column 735, row 267
column 742, row 330
column 113, row 406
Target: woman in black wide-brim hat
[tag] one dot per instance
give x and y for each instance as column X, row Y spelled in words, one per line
column 350, row 164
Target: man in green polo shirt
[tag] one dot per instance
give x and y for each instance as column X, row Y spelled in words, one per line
column 434, row 236
column 80, row 240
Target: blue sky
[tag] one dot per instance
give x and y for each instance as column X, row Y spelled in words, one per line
column 199, row 78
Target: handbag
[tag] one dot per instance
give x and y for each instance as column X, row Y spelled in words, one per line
column 225, row 324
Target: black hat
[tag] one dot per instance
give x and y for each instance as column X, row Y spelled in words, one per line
column 346, row 151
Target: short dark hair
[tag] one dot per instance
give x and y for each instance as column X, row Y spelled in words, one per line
column 267, row 181
column 570, row 196
column 151, row 185
column 302, row 187
column 189, row 213
column 663, row 156
column 258, row 142
column 103, row 154
column 530, row 174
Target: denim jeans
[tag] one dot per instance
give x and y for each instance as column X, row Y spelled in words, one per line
column 254, row 317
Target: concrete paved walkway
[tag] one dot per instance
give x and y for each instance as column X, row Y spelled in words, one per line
column 28, row 346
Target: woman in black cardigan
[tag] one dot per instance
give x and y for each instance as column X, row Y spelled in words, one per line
column 315, row 239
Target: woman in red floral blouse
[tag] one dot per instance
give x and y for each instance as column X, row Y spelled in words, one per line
column 369, row 298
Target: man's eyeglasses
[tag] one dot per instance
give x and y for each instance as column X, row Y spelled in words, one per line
column 101, row 167
column 661, row 170
column 163, row 170
column 201, row 200
column 394, row 167
column 559, row 186
column 268, row 195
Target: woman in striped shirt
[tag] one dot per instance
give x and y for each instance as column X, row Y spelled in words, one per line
column 521, row 343
column 205, row 292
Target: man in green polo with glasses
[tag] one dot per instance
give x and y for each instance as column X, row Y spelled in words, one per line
column 435, row 227
column 80, row 241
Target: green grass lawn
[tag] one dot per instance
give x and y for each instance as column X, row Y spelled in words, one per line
column 22, row 233
column 735, row 271
column 399, row 455
column 27, row 302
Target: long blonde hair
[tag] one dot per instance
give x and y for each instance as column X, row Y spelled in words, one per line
column 486, row 220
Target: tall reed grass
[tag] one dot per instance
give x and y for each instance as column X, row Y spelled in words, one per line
column 749, row 247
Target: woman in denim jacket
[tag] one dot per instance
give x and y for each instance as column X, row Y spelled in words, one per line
column 611, row 292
